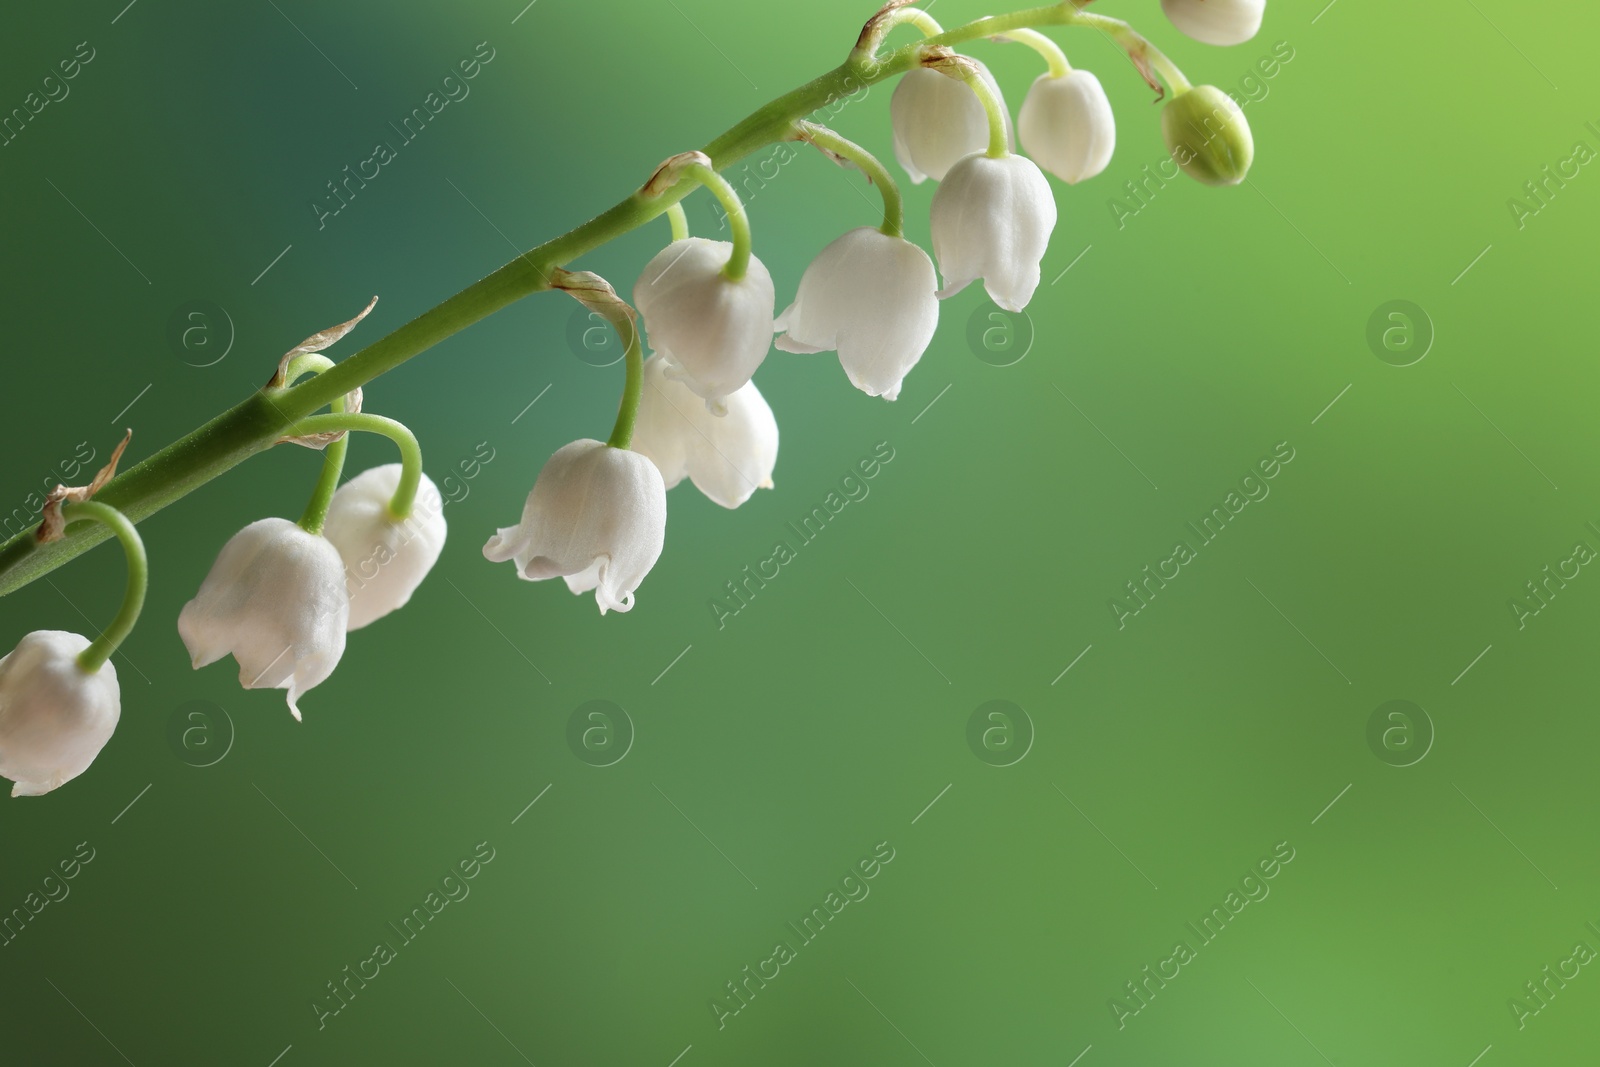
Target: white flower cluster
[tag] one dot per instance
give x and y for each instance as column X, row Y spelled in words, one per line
column 281, row 597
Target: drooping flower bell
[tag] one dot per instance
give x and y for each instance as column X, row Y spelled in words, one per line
column 1220, row 22
column 873, row 298
column 597, row 516
column 385, row 558
column 727, row 457
column 711, row 330
column 1067, row 126
column 992, row 219
column 275, row 599
column 55, row 716
column 938, row 119
column 1208, row 135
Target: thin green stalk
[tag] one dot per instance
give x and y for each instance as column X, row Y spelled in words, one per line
column 738, row 220
column 410, row 452
column 259, row 421
column 1137, row 47
column 94, row 657
column 894, row 214
column 995, row 108
column 679, row 221
column 316, row 513
column 1052, row 53
column 633, row 386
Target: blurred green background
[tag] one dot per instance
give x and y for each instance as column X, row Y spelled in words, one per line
column 1436, row 869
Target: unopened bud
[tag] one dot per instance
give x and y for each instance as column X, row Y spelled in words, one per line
column 1208, row 135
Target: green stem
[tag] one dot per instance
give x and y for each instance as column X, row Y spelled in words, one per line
column 679, row 221
column 894, row 214
column 999, row 132
column 410, row 452
column 316, row 514
column 1052, row 53
column 256, row 424
column 633, row 386
column 304, row 364
column 738, row 221
column 94, row 657
column 1136, row 46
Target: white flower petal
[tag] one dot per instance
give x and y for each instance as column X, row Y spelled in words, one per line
column 54, row 717
column 385, row 559
column 937, row 120
column 596, row 516
column 872, row 298
column 1220, row 22
column 729, row 457
column 992, row 219
column 1067, row 126
column 713, row 333
column 275, row 599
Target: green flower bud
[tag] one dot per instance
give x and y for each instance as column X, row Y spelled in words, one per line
column 1208, row 135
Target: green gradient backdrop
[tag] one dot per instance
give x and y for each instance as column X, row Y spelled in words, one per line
column 780, row 750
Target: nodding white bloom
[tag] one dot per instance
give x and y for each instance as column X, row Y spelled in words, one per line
column 55, row 717
column 1221, row 22
column 712, row 332
column 385, row 559
column 873, row 298
column 1067, row 126
column 597, row 516
column 992, row 219
column 938, row 119
column 275, row 599
column 728, row 457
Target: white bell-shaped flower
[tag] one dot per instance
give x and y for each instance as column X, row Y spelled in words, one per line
column 992, row 219
column 728, row 457
column 1221, row 22
column 597, row 516
column 712, row 332
column 385, row 559
column 275, row 599
column 1067, row 126
column 871, row 297
column 55, row 717
column 938, row 119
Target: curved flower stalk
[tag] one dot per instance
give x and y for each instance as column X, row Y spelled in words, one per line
column 1066, row 123
column 870, row 295
column 706, row 304
column 59, row 696
column 596, row 515
column 993, row 214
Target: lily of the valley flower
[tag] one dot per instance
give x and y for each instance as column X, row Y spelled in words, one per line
column 1221, row 22
column 1067, row 126
column 55, row 717
column 597, row 516
column 938, row 120
column 871, row 297
column 713, row 332
column 728, row 457
column 385, row 559
column 276, row 600
column 992, row 219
